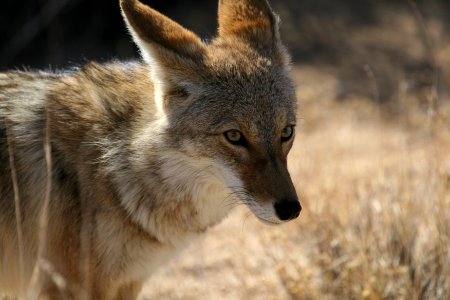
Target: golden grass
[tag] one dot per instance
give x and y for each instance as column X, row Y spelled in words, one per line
column 375, row 224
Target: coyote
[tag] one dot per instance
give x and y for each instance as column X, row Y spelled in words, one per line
column 135, row 159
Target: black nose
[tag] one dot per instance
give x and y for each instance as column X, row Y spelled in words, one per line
column 287, row 209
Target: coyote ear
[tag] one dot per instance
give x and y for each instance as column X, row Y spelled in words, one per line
column 173, row 52
column 250, row 20
column 152, row 30
column 253, row 22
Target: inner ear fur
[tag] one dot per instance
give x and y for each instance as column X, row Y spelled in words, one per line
column 250, row 20
column 152, row 29
column 254, row 23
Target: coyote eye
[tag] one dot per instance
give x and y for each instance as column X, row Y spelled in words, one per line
column 235, row 137
column 287, row 133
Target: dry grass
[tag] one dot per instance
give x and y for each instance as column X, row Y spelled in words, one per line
column 375, row 225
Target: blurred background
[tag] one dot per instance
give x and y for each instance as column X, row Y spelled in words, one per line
column 356, row 40
column 371, row 160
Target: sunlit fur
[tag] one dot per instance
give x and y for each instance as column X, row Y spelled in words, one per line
column 140, row 164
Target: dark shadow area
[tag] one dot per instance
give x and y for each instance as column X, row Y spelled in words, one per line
column 372, row 47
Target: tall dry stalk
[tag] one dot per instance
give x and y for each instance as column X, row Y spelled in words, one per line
column 18, row 211
column 42, row 265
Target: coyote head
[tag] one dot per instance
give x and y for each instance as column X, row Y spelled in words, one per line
column 230, row 100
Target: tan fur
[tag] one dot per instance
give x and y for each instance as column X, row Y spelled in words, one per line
column 140, row 161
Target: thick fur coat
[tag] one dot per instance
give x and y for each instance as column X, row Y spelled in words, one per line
column 145, row 155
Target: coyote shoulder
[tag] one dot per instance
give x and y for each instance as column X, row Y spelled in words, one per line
column 144, row 155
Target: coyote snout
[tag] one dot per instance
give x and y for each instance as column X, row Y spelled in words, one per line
column 275, row 199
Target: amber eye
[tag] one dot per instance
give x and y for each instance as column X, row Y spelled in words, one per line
column 235, row 137
column 286, row 133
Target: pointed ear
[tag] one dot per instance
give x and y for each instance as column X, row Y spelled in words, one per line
column 173, row 52
column 253, row 22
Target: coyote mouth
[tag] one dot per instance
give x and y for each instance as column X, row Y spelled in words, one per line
column 270, row 222
column 264, row 214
